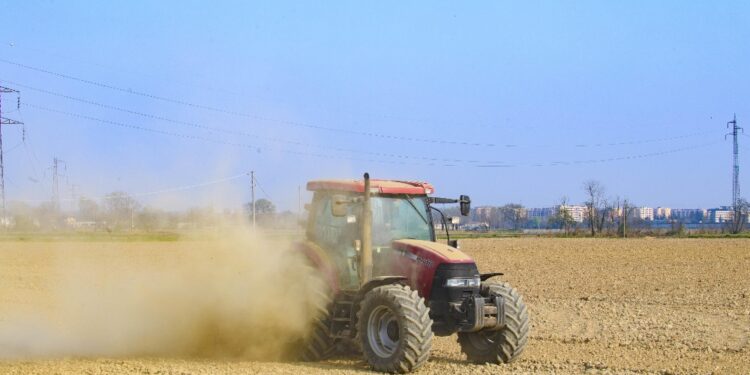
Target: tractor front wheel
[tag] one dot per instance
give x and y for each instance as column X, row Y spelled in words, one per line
column 394, row 328
column 506, row 344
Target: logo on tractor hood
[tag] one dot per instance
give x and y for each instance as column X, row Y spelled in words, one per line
column 415, row 257
column 430, row 253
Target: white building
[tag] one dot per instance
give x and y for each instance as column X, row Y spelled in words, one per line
column 720, row 215
column 577, row 213
column 643, row 213
column 664, row 213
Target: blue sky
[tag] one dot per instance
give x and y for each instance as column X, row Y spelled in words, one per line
column 505, row 102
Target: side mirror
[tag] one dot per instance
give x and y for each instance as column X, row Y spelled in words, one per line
column 465, row 203
column 338, row 205
column 453, row 244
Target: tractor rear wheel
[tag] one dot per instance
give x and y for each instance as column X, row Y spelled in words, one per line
column 395, row 329
column 506, row 344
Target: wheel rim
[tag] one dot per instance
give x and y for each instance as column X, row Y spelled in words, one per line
column 483, row 340
column 383, row 331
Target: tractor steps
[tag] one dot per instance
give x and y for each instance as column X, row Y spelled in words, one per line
column 342, row 316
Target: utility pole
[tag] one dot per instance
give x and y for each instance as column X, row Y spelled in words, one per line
column 252, row 194
column 624, row 218
column 73, row 197
column 300, row 216
column 56, row 182
column 736, row 206
column 5, row 121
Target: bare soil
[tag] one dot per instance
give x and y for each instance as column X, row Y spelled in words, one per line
column 596, row 305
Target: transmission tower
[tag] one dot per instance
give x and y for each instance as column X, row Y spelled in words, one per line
column 739, row 210
column 5, row 121
column 736, row 164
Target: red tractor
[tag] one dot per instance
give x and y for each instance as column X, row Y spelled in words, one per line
column 392, row 286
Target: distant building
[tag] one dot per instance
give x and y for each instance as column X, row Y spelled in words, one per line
column 543, row 214
column 483, row 213
column 663, row 213
column 689, row 215
column 577, row 213
column 643, row 213
column 720, row 215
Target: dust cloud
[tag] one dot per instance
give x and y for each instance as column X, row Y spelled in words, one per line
column 238, row 295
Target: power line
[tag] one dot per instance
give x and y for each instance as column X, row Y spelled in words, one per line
column 189, row 187
column 194, row 137
column 470, row 163
column 338, row 149
column 234, row 93
column 488, row 165
column 602, row 160
column 234, row 132
column 161, row 191
column 257, row 183
column 30, row 154
column 244, row 114
column 298, row 143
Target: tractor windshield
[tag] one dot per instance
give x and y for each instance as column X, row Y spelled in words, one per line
column 399, row 217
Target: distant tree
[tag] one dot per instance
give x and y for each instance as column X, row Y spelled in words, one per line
column 264, row 207
column 151, row 219
column 265, row 210
column 613, row 213
column 562, row 218
column 595, row 193
column 740, row 216
column 88, row 209
column 201, row 217
column 514, row 215
column 495, row 218
column 120, row 208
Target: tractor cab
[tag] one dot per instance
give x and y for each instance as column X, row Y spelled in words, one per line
column 400, row 211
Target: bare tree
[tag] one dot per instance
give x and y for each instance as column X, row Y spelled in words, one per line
column 121, row 208
column 514, row 214
column 88, row 209
column 740, row 216
column 264, row 209
column 613, row 213
column 563, row 216
column 601, row 217
column 595, row 192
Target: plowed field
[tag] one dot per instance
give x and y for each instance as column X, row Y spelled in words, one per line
column 596, row 305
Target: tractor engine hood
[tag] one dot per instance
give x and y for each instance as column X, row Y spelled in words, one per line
column 426, row 258
column 429, row 253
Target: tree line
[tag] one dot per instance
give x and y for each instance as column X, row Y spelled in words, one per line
column 119, row 211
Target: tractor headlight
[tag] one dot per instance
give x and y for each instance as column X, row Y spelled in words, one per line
column 462, row 282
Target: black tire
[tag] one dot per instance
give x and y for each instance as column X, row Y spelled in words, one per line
column 395, row 329
column 506, row 344
column 318, row 343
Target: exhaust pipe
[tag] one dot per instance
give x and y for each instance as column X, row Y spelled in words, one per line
column 366, row 255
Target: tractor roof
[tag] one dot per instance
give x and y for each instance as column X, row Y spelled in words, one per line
column 376, row 186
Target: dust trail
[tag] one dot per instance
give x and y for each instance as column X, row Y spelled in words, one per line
column 240, row 296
